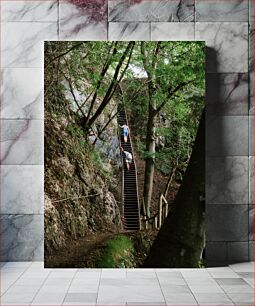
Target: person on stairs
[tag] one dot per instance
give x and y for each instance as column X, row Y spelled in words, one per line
column 128, row 158
column 125, row 132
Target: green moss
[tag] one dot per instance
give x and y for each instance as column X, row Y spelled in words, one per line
column 118, row 253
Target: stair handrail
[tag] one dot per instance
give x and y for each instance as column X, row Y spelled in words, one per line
column 161, row 214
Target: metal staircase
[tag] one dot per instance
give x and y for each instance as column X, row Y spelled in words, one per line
column 130, row 199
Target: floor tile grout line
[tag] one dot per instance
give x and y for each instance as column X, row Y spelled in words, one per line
column 160, row 286
column 40, row 287
column 69, row 286
column 98, row 288
column 15, row 280
column 189, row 288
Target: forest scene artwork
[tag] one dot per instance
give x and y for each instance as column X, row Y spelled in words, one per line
column 124, row 154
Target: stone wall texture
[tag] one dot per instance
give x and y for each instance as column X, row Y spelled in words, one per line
column 226, row 26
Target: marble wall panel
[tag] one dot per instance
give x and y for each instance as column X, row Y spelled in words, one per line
column 22, row 93
column 251, row 180
column 23, row 43
column 215, row 252
column 21, row 189
column 76, row 23
column 22, row 142
column 22, row 237
column 251, row 135
column 237, row 252
column 234, row 10
column 172, row 31
column 151, row 10
column 229, row 42
column 227, row 223
column 129, row 31
column 227, row 135
column 227, row 94
column 251, row 69
column 251, row 221
column 251, row 10
column 29, row 11
column 227, row 180
column 27, row 23
column 251, row 250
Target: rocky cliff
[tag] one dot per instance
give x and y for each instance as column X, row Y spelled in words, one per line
column 82, row 184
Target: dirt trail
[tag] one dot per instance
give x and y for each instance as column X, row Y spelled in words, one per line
column 78, row 253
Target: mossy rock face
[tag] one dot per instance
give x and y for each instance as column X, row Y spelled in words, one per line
column 118, row 253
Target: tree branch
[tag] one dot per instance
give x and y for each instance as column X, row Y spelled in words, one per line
column 171, row 93
column 103, row 72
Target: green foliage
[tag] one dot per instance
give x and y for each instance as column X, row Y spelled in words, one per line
column 118, row 253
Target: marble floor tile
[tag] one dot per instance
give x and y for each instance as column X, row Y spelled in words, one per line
column 29, row 11
column 62, row 273
column 151, row 10
column 227, row 180
column 22, row 237
column 237, row 289
column 85, row 286
column 230, row 281
column 20, row 294
column 81, row 298
column 246, row 274
column 206, row 289
column 227, row 135
column 16, row 265
column 234, row 10
column 111, row 295
column 139, row 273
column 250, row 282
column 57, row 284
column 243, row 267
column 22, row 189
column 129, row 31
column 195, row 273
column 23, row 45
column 222, row 272
column 213, row 299
column 22, row 142
column 168, row 280
column 113, row 273
column 22, row 93
column 156, row 303
column 178, row 289
column 172, row 31
column 227, row 94
column 88, row 273
column 76, row 22
column 44, row 298
column 227, row 43
column 242, row 299
column 180, row 299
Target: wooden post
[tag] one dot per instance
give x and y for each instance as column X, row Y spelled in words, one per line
column 166, row 209
column 166, row 206
column 160, row 212
column 155, row 222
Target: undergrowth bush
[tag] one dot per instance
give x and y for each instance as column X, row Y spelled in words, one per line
column 118, row 253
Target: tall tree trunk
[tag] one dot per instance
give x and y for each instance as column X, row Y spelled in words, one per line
column 180, row 241
column 150, row 159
